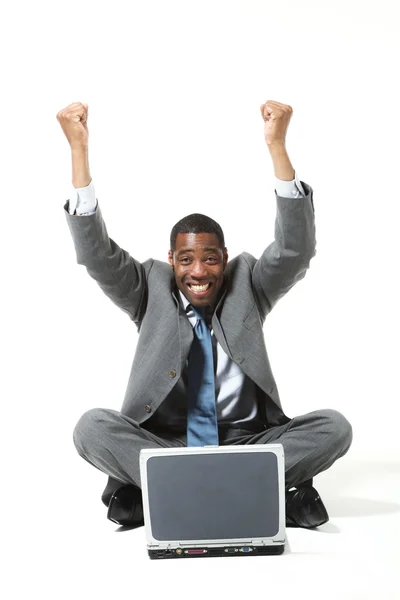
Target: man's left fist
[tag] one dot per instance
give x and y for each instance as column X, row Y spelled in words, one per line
column 277, row 117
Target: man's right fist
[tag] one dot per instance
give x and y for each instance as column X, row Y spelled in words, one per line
column 73, row 121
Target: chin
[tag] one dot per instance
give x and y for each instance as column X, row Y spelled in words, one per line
column 200, row 302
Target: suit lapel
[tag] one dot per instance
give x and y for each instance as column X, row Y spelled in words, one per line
column 184, row 327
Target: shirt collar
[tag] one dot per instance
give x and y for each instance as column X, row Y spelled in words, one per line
column 188, row 308
column 185, row 301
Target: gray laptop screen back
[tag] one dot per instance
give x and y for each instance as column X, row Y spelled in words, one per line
column 213, row 496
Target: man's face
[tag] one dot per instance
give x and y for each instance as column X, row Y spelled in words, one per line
column 198, row 262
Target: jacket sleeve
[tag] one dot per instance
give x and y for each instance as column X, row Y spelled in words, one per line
column 121, row 277
column 285, row 261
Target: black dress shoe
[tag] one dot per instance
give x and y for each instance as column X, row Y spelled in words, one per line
column 125, row 507
column 304, row 508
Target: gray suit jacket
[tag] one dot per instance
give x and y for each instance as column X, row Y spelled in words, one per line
column 146, row 292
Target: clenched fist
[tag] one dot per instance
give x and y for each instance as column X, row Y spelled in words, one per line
column 73, row 121
column 277, row 117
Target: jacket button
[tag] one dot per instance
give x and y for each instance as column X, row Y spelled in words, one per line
column 172, row 373
column 147, row 408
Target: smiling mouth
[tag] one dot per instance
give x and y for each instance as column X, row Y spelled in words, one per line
column 199, row 289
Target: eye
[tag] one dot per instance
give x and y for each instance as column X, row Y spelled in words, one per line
column 212, row 258
column 185, row 259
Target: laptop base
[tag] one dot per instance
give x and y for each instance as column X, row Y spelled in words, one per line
column 217, row 551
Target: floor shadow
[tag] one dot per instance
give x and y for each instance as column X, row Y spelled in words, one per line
column 341, row 506
column 327, row 528
column 126, row 528
column 339, row 488
column 352, row 471
column 287, row 549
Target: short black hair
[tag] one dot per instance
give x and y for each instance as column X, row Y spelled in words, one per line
column 196, row 223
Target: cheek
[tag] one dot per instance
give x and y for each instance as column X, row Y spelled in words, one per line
column 219, row 279
column 179, row 271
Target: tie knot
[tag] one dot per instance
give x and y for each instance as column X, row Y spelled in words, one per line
column 202, row 313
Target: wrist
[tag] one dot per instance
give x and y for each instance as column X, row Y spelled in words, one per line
column 283, row 168
column 80, row 149
column 276, row 145
column 80, row 166
column 81, row 182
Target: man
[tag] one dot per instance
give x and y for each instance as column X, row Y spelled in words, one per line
column 201, row 373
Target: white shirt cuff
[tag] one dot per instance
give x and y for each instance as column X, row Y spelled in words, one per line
column 83, row 200
column 289, row 189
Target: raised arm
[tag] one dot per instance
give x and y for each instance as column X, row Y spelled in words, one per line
column 121, row 277
column 285, row 261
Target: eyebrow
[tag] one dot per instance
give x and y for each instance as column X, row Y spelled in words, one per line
column 187, row 250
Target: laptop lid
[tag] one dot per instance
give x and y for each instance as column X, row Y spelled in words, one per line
column 213, row 495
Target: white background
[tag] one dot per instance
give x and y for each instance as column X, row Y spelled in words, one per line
column 174, row 91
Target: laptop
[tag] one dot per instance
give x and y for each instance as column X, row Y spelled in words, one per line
column 213, row 500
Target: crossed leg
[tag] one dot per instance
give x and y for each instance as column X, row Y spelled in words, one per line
column 112, row 442
column 312, row 443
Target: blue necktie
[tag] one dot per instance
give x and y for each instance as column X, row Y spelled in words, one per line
column 202, row 424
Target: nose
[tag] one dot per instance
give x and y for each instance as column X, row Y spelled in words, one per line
column 198, row 270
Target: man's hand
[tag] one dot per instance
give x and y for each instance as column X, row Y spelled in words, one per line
column 73, row 121
column 277, row 117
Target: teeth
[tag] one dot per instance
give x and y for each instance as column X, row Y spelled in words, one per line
column 199, row 288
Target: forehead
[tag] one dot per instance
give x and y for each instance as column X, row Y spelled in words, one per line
column 196, row 241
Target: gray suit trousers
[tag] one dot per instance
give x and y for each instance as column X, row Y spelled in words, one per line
column 312, row 442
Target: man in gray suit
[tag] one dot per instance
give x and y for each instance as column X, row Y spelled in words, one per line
column 167, row 301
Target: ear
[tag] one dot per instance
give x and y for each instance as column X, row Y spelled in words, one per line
column 171, row 258
column 225, row 257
